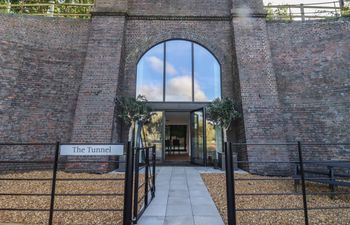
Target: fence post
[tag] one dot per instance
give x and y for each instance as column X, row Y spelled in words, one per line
column 146, row 175
column 154, row 170
column 51, row 10
column 336, row 14
column 302, row 12
column 290, row 13
column 230, row 186
column 302, row 174
column 136, row 182
column 127, row 214
column 21, row 7
column 8, row 8
column 341, row 4
column 53, row 185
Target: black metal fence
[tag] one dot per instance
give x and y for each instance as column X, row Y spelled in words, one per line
column 144, row 187
column 120, row 188
column 312, row 188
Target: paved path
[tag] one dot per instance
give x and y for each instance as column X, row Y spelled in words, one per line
column 181, row 199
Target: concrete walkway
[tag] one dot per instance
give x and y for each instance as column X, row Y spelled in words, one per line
column 181, row 199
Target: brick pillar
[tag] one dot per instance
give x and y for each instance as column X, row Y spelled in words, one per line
column 95, row 107
column 93, row 121
column 261, row 107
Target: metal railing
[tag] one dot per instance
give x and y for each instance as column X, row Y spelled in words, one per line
column 82, row 9
column 49, row 8
column 305, row 170
column 50, row 160
column 144, row 189
column 303, row 12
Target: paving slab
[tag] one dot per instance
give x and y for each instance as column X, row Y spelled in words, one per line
column 208, row 220
column 152, row 220
column 181, row 199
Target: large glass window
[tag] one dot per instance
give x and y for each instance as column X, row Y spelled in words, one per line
column 178, row 71
column 206, row 75
column 150, row 74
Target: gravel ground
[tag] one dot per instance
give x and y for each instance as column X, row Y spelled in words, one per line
column 216, row 186
column 62, row 202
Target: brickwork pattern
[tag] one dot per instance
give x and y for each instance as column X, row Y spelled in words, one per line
column 60, row 77
column 41, row 61
column 312, row 65
column 260, row 103
column 247, row 7
column 96, row 102
column 111, row 6
column 180, row 7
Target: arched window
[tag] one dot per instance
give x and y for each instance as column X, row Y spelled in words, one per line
column 178, row 71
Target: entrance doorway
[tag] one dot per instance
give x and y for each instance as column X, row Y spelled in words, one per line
column 183, row 137
column 177, row 136
column 176, row 143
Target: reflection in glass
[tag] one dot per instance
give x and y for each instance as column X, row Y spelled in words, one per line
column 152, row 133
column 178, row 71
column 214, row 142
column 206, row 75
column 197, row 137
column 176, row 142
column 150, row 74
column 211, row 142
column 189, row 68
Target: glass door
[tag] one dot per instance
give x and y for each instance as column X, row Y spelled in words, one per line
column 198, row 143
column 152, row 133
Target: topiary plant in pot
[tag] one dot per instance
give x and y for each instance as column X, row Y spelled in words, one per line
column 134, row 112
column 221, row 112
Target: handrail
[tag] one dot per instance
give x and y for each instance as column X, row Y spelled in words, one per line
column 290, row 12
column 299, row 6
column 44, row 4
column 275, row 12
column 51, row 9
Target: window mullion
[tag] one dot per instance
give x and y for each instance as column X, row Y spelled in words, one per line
column 192, row 56
column 164, row 71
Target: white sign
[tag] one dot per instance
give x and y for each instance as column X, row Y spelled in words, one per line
column 91, row 150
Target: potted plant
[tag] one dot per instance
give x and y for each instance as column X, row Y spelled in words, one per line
column 221, row 112
column 134, row 112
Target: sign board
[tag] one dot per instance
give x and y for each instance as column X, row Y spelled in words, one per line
column 86, row 150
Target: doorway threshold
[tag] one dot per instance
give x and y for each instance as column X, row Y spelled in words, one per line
column 175, row 163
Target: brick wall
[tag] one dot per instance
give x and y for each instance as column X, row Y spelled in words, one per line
column 41, row 61
column 312, row 64
column 261, row 107
column 59, row 77
column 96, row 102
column 180, row 7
